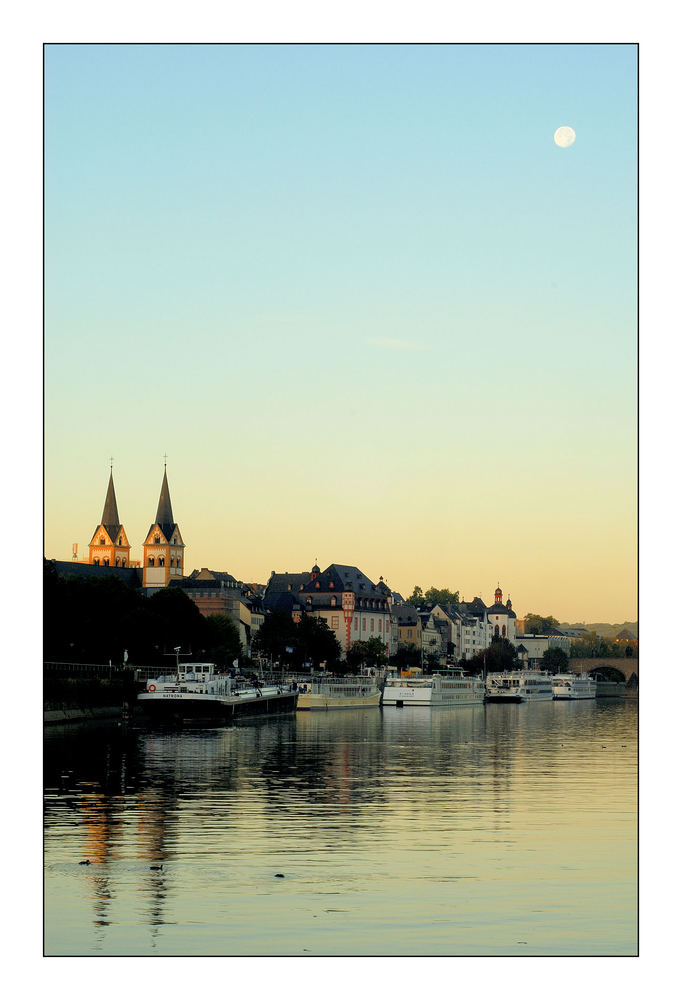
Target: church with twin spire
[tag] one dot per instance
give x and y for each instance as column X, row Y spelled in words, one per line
column 163, row 548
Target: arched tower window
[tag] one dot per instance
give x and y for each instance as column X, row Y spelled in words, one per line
column 504, row 630
column 497, row 630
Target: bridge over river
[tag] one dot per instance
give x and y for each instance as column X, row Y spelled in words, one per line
column 626, row 665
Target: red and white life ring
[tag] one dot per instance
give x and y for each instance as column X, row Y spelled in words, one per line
column 151, row 688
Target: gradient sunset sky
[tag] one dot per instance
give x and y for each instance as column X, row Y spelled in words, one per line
column 368, row 308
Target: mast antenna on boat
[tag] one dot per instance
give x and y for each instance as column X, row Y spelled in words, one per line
column 176, row 653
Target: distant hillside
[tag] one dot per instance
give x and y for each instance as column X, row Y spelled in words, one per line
column 604, row 629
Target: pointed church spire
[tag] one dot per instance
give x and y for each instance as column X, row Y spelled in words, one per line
column 164, row 512
column 110, row 513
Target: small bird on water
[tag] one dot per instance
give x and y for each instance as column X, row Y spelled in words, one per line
column 84, row 862
column 279, row 875
column 155, row 868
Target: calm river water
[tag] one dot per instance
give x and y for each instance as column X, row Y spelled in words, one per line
column 493, row 830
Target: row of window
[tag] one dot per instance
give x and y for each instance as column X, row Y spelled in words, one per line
column 379, row 624
column 333, row 601
column 161, row 561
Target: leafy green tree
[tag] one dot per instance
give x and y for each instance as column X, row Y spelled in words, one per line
column 539, row 625
column 178, row 622
column 370, row 653
column 442, row 596
column 555, row 660
column 500, row 655
column 407, row 656
column 434, row 595
column 222, row 641
column 276, row 633
column 593, row 646
column 316, row 643
column 310, row 640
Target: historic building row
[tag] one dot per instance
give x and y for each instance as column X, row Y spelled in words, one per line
column 352, row 605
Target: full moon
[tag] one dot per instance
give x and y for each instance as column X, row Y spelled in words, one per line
column 564, row 136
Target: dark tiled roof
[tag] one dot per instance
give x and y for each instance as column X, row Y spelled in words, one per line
column 338, row 578
column 475, row 607
column 281, row 601
column 213, row 575
column 501, row 609
column 131, row 574
column 283, row 585
column 405, row 615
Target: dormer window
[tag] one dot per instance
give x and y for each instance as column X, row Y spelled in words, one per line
column 157, row 540
column 331, row 584
column 317, row 585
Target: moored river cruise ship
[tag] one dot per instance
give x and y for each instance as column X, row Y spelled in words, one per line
column 436, row 690
column 519, row 685
column 574, row 687
column 196, row 692
column 325, row 693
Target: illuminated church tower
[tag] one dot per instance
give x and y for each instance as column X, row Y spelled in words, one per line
column 109, row 544
column 163, row 546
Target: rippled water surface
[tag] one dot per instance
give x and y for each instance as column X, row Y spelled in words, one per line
column 492, row 830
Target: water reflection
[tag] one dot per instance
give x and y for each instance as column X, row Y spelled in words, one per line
column 471, row 813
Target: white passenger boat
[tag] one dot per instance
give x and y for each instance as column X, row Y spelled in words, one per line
column 453, row 689
column 519, row 685
column 197, row 692
column 573, row 687
column 325, row 693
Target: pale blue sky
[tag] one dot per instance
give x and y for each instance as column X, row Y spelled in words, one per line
column 361, row 272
